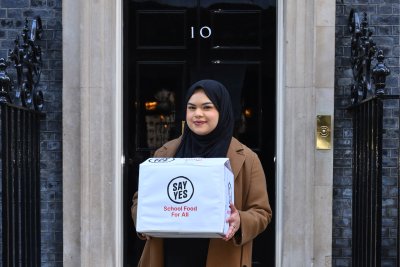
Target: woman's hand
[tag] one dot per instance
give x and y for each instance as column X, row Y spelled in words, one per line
column 234, row 223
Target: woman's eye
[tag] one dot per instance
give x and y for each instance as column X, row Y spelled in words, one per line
column 191, row 108
column 207, row 107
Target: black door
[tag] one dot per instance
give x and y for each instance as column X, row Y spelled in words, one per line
column 168, row 45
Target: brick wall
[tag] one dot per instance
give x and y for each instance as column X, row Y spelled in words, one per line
column 12, row 21
column 384, row 19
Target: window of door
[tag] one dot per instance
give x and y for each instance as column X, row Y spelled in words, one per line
column 168, row 45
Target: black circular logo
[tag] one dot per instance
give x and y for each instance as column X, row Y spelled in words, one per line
column 161, row 160
column 180, row 190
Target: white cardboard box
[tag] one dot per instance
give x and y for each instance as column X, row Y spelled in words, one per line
column 184, row 197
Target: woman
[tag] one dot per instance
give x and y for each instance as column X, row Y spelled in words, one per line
column 208, row 133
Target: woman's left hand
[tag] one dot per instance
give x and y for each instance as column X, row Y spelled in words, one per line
column 234, row 223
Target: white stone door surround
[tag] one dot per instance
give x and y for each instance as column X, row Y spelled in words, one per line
column 92, row 132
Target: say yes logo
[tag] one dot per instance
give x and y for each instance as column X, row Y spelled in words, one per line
column 180, row 190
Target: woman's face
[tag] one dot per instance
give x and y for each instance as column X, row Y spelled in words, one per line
column 201, row 114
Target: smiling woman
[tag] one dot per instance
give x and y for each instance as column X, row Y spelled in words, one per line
column 208, row 133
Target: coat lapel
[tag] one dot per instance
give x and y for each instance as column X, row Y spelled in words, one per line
column 236, row 156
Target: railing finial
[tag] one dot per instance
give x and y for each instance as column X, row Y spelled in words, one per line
column 363, row 50
column 27, row 59
column 379, row 73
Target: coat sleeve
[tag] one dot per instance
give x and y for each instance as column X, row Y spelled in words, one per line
column 134, row 213
column 255, row 211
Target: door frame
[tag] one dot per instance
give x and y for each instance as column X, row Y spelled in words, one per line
column 92, row 132
column 120, row 158
column 279, row 158
column 279, row 134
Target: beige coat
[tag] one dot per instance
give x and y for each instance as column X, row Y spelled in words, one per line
column 251, row 199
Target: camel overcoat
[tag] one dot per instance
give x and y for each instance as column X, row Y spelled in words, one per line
column 251, row 200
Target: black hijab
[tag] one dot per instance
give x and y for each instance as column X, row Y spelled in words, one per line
column 216, row 143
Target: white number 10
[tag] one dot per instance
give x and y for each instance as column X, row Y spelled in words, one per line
column 204, row 32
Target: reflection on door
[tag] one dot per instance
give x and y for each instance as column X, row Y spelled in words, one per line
column 168, row 45
column 155, row 103
column 160, row 118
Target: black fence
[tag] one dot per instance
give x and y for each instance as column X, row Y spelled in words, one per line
column 375, row 205
column 20, row 175
column 368, row 165
column 367, row 182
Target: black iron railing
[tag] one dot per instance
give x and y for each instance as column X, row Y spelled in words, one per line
column 368, row 166
column 21, row 102
column 368, row 133
column 20, row 176
column 367, row 183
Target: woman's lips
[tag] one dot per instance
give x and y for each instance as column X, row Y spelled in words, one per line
column 198, row 123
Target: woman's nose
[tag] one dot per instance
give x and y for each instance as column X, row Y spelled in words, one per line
column 198, row 113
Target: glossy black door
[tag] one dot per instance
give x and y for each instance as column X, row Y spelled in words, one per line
column 170, row 44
